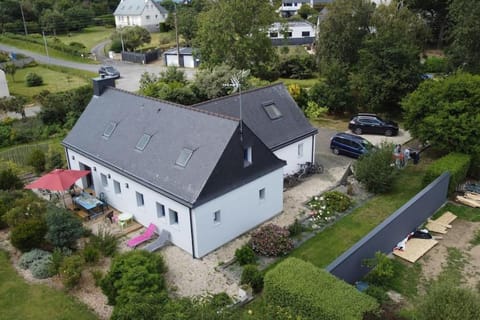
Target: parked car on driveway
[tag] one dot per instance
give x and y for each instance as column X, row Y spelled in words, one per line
column 108, row 71
column 371, row 123
column 349, row 145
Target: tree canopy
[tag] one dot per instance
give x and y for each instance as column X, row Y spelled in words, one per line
column 445, row 112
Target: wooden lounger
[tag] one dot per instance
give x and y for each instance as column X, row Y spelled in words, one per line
column 415, row 248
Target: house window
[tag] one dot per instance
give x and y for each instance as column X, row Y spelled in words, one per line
column 160, row 210
column 289, row 34
column 247, row 157
column 104, row 180
column 147, row 17
column 261, row 194
column 300, row 150
column 216, row 217
column 173, row 216
column 273, row 34
column 140, row 201
column 305, row 33
column 117, row 187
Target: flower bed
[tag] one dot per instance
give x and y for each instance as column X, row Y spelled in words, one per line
column 325, row 208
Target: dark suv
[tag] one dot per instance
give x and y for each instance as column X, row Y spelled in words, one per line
column 350, row 145
column 371, row 123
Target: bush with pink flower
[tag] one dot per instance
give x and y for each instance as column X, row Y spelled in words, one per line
column 271, row 240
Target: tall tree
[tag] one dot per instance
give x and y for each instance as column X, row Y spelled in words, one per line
column 464, row 50
column 389, row 66
column 234, row 32
column 342, row 31
column 132, row 37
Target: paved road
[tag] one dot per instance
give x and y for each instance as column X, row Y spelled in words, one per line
column 130, row 72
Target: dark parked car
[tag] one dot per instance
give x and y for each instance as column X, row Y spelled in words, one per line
column 349, row 145
column 371, row 123
column 108, row 71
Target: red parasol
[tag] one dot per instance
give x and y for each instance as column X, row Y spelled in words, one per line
column 57, row 180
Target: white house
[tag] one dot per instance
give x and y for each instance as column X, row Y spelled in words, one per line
column 292, row 33
column 184, row 57
column 289, row 8
column 272, row 114
column 206, row 178
column 144, row 13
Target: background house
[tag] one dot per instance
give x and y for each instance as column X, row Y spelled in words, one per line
column 289, row 8
column 186, row 58
column 295, row 33
column 144, row 13
column 201, row 176
column 272, row 114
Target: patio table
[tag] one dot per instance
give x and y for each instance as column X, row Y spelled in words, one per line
column 89, row 203
column 124, row 218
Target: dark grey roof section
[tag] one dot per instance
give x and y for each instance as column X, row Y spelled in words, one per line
column 172, row 128
column 277, row 133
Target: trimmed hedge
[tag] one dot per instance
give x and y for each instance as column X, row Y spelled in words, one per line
column 455, row 163
column 314, row 293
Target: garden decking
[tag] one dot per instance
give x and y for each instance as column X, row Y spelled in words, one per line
column 415, row 249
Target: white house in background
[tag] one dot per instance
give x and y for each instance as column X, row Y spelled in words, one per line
column 289, row 8
column 292, row 33
column 184, row 58
column 144, row 13
column 205, row 178
column 273, row 116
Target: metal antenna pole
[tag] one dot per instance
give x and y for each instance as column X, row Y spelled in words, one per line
column 46, row 47
column 23, row 18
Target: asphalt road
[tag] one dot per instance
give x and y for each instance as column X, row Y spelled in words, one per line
column 130, row 72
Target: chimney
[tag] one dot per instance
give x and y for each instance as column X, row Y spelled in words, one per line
column 101, row 83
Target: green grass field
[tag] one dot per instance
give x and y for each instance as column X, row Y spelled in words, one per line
column 22, row 301
column 89, row 37
column 55, row 79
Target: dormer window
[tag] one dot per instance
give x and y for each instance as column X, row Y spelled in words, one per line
column 142, row 143
column 272, row 110
column 247, row 157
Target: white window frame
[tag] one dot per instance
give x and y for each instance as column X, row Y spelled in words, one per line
column 217, row 218
column 300, row 150
column 247, row 156
column 262, row 194
column 173, row 217
column 104, row 179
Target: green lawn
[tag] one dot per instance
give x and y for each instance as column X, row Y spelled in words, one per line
column 22, row 301
column 55, row 79
column 89, row 37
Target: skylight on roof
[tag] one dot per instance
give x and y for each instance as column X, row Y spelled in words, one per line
column 109, row 129
column 183, row 157
column 142, row 143
column 272, row 110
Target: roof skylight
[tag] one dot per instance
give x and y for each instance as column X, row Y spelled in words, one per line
column 109, row 129
column 183, row 157
column 272, row 110
column 142, row 143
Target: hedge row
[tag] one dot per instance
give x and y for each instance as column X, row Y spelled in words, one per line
column 314, row 293
column 57, row 45
column 455, row 163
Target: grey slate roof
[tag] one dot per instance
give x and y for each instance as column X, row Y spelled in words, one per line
column 183, row 50
column 172, row 127
column 135, row 7
column 290, row 127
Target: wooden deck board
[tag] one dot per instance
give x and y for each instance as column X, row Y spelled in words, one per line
column 415, row 249
column 436, row 227
column 446, row 218
column 468, row 202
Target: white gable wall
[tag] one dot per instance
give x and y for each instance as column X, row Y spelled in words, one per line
column 240, row 211
column 126, row 201
column 292, row 155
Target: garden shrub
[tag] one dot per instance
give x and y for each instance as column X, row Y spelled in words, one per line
column 253, row 277
column 245, row 255
column 325, row 207
column 24, row 207
column 29, row 234
column 271, row 240
column 296, row 228
column 313, row 111
column 314, row 293
column 435, row 65
column 132, row 273
column 97, row 276
column 455, row 163
column 379, row 293
column 33, row 80
column 41, row 268
column 30, row 257
column 71, row 271
column 58, row 255
column 104, row 241
column 90, row 253
column 64, row 229
column 382, row 271
column 374, row 169
column 9, row 180
column 37, row 160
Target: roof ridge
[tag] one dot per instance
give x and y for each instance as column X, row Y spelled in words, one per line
column 191, row 108
column 236, row 94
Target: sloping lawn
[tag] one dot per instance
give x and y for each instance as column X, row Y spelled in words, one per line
column 89, row 37
column 22, row 301
column 55, row 79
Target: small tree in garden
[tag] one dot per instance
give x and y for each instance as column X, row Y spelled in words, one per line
column 253, row 277
column 382, row 269
column 29, row 234
column 33, row 80
column 9, row 180
column 37, row 160
column 71, row 270
column 245, row 255
column 64, row 229
column 271, row 240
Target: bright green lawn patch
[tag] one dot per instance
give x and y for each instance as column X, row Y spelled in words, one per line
column 304, row 83
column 331, row 122
column 54, row 80
column 22, row 301
column 89, row 37
column 462, row 212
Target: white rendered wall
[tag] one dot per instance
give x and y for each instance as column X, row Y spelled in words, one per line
column 240, row 211
column 3, row 85
column 126, row 201
column 291, row 155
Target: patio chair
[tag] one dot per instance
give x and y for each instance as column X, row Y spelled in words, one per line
column 145, row 236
